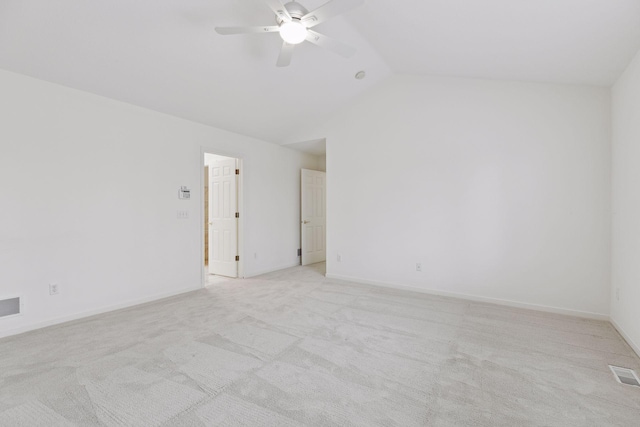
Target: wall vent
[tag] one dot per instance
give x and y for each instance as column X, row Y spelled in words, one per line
column 9, row 307
column 625, row 376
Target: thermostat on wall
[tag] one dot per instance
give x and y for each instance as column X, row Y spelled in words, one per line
column 184, row 193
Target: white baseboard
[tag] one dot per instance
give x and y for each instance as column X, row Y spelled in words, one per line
column 626, row 336
column 272, row 269
column 477, row 298
column 131, row 303
column 93, row 312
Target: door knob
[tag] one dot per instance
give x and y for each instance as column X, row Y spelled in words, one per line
column 306, row 222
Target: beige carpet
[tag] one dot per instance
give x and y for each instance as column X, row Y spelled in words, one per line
column 293, row 348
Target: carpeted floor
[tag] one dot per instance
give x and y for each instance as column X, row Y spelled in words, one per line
column 293, row 348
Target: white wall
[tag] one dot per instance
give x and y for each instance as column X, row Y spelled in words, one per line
column 500, row 189
column 89, row 191
column 322, row 163
column 626, row 204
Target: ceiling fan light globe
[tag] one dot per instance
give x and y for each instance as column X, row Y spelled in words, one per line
column 293, row 32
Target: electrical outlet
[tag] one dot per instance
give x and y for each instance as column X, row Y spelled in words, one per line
column 617, row 294
column 255, row 255
column 183, row 214
column 418, row 266
column 339, row 258
column 54, row 289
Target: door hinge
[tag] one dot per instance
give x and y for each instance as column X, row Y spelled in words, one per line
column 237, row 171
column 237, row 214
column 237, row 257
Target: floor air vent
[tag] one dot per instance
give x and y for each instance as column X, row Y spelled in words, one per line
column 9, row 307
column 625, row 376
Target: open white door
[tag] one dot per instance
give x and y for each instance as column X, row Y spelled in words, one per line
column 223, row 223
column 314, row 190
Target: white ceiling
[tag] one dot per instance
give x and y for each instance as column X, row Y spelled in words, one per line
column 562, row 41
column 317, row 147
column 165, row 55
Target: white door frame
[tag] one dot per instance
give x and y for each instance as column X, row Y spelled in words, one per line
column 240, row 202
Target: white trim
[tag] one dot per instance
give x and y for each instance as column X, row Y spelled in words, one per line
column 508, row 303
column 240, row 203
column 271, row 270
column 89, row 313
column 626, row 336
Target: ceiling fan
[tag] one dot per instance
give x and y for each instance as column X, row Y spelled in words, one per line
column 294, row 24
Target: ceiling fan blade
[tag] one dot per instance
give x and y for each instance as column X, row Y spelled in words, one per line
column 330, row 44
column 246, row 30
column 279, row 9
column 286, row 53
column 328, row 11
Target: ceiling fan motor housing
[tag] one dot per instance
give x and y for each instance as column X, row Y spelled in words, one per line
column 295, row 23
column 296, row 10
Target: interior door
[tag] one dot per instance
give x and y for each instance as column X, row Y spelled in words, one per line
column 206, row 215
column 313, row 214
column 223, row 224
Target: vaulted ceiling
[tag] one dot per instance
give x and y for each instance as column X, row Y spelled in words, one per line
column 164, row 54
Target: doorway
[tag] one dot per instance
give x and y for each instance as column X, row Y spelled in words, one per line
column 221, row 213
column 313, row 232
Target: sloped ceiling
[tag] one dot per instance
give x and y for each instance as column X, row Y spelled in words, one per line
column 587, row 42
column 164, row 54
